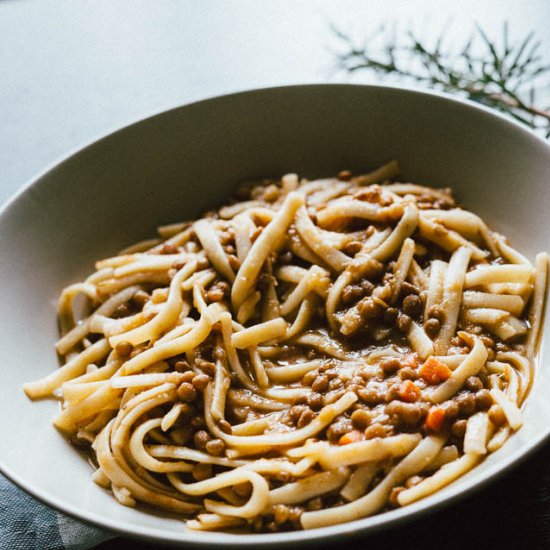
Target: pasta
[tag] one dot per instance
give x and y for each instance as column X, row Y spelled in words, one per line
column 313, row 353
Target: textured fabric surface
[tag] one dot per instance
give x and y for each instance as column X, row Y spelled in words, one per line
column 26, row 524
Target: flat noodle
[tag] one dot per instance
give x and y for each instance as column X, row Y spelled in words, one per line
column 541, row 275
column 438, row 270
column 471, row 365
column 213, row 248
column 302, row 347
column 447, row 239
column 419, row 341
column 385, row 172
column 413, row 463
column 446, row 475
column 359, row 481
column 313, row 238
column 165, row 318
column 452, row 297
column 375, row 450
column 512, row 304
column 309, row 487
column 357, row 209
column 261, row 248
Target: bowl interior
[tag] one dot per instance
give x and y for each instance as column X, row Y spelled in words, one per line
column 175, row 165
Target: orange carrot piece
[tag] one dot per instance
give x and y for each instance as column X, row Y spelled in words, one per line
column 351, row 437
column 435, row 419
column 409, row 391
column 434, row 371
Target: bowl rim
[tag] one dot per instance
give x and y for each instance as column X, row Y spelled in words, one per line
column 364, row 526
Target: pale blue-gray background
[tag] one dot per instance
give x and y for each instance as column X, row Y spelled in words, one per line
column 72, row 70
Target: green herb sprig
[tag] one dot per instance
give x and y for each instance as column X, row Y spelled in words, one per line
column 498, row 74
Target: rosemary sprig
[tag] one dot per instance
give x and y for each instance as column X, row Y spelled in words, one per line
column 500, row 75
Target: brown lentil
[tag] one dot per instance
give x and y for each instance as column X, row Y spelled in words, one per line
column 412, row 306
column 466, row 404
column 182, row 366
column 377, row 430
column 369, row 309
column 168, row 248
column 295, row 412
column 390, row 315
column 407, row 288
column 370, row 396
column 484, row 400
column 200, row 381
column 234, row 262
column 309, row 377
column 335, row 384
column 367, row 286
column 225, row 427
column 320, row 384
column 187, row 392
column 188, row 376
column 257, row 232
column 451, row 409
column 123, row 349
column 305, row 418
column 207, row 366
column 315, row 401
column 353, row 247
column 215, row 447
column 473, row 384
column 458, row 429
column 360, row 419
column 201, row 438
column 406, row 413
column 351, row 294
column 336, row 430
column 404, row 322
column 432, row 327
column 390, row 365
column 501, row 346
column 215, row 294
column 437, row 313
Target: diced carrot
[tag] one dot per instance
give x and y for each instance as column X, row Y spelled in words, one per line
column 435, row 419
column 351, row 437
column 409, row 391
column 434, row 371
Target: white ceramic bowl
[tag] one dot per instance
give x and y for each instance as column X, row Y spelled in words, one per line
column 174, row 165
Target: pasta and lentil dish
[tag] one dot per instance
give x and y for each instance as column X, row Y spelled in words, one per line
column 312, row 353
